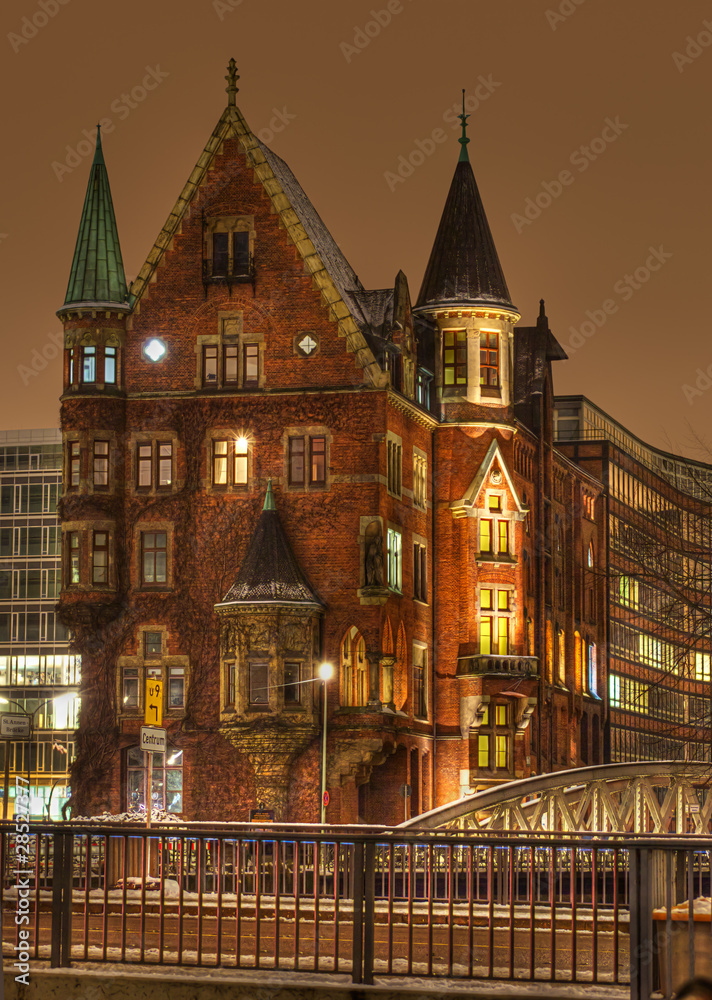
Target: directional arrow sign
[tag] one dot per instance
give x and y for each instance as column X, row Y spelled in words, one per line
column 154, row 703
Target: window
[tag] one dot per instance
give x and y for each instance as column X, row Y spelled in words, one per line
column 702, row 666
column 101, row 463
column 302, row 450
column 231, row 255
column 259, row 682
column 420, row 700
column 395, row 465
column 501, row 749
column 176, row 687
column 88, row 364
column 354, row 669
column 489, row 358
column 73, row 557
column 154, row 545
column 420, row 474
column 560, row 656
column 420, row 572
column 100, row 557
column 422, row 388
column 589, row 556
column 591, row 669
column 210, row 364
column 231, row 688
column 500, row 715
column 494, row 622
column 251, row 364
column 166, row 780
column 394, row 557
column 230, row 366
column 292, row 687
column 110, row 366
column 152, row 645
column 75, row 458
column 483, row 756
column 70, row 360
column 494, row 534
column 145, row 465
column 230, row 462
column 129, row 697
column 454, row 358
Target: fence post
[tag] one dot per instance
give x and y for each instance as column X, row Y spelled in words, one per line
column 358, row 894
column 62, row 877
column 369, row 911
column 641, row 924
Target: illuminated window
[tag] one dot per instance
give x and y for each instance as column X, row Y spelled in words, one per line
column 420, row 471
column 501, row 744
column 500, row 715
column 354, row 669
column 454, row 358
column 489, row 359
column 589, row 556
column 152, row 645
column 154, row 562
column 702, row 666
column 110, row 365
column 395, row 559
column 395, row 466
column 591, row 668
column 166, row 780
column 88, row 364
column 483, row 754
column 494, row 624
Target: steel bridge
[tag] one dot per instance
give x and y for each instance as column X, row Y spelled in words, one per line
column 650, row 797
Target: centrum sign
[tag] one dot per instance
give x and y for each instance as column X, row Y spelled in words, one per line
column 14, row 726
column 153, row 740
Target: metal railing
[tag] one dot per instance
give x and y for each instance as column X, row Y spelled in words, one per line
column 362, row 901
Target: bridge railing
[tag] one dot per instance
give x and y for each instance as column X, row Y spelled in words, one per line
column 361, row 901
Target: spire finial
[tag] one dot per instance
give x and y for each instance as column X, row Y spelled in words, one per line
column 542, row 320
column 269, row 497
column 463, row 140
column 232, row 77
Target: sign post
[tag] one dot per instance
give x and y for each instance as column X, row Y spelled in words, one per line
column 153, row 740
column 12, row 727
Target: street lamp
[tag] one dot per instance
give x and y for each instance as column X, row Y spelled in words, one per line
column 326, row 672
column 30, row 715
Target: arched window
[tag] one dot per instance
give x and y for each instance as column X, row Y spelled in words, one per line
column 354, row 669
column 589, row 556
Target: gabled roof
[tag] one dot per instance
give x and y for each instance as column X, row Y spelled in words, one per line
column 464, row 268
column 467, row 506
column 270, row 573
column 339, row 285
column 97, row 273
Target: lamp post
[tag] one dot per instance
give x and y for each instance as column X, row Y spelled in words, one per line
column 30, row 715
column 326, row 672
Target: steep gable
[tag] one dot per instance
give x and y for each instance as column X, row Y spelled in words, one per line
column 494, row 459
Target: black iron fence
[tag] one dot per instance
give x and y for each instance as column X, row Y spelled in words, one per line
column 363, row 901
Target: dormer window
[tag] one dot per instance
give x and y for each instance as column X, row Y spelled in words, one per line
column 228, row 250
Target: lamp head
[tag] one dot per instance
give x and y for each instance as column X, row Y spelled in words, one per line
column 326, row 671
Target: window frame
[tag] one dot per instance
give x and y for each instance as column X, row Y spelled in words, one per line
column 487, row 365
column 100, row 458
column 457, row 363
column 146, row 550
column 88, row 363
column 98, row 567
column 306, row 478
column 394, row 558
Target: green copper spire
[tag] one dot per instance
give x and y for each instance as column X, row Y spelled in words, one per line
column 269, row 497
column 97, row 273
column 463, row 140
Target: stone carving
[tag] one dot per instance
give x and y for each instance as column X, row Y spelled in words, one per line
column 295, row 636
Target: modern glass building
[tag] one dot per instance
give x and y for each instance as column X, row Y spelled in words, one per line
column 659, row 584
column 38, row 675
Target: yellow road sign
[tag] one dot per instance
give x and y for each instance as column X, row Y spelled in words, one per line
column 154, row 703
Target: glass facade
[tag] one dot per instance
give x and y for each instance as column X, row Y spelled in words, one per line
column 38, row 675
column 659, row 575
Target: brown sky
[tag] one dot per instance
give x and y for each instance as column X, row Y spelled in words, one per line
column 555, row 73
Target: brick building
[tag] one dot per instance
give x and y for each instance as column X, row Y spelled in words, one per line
column 269, row 466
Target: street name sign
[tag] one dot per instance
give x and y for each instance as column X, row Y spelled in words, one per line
column 14, row 726
column 154, row 740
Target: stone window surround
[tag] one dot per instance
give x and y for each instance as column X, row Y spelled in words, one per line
column 501, row 323
column 397, row 441
column 422, row 541
column 86, row 441
column 494, row 612
column 165, row 661
column 153, row 438
column 306, row 431
column 418, row 644
column 504, row 514
column 85, row 530
column 275, row 696
column 230, row 331
column 230, row 434
column 139, row 530
column 101, row 338
column 420, row 456
column 227, row 224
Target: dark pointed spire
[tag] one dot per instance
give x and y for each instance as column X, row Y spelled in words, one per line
column 542, row 320
column 464, row 268
column 463, row 140
column 270, row 573
column 97, row 273
column 232, row 77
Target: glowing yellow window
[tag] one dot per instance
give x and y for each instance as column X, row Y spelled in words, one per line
column 503, row 536
column 483, row 751
column 500, row 751
column 500, row 713
column 486, row 599
column 486, row 636
column 485, row 536
column 494, row 502
column 503, row 600
column 502, row 636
